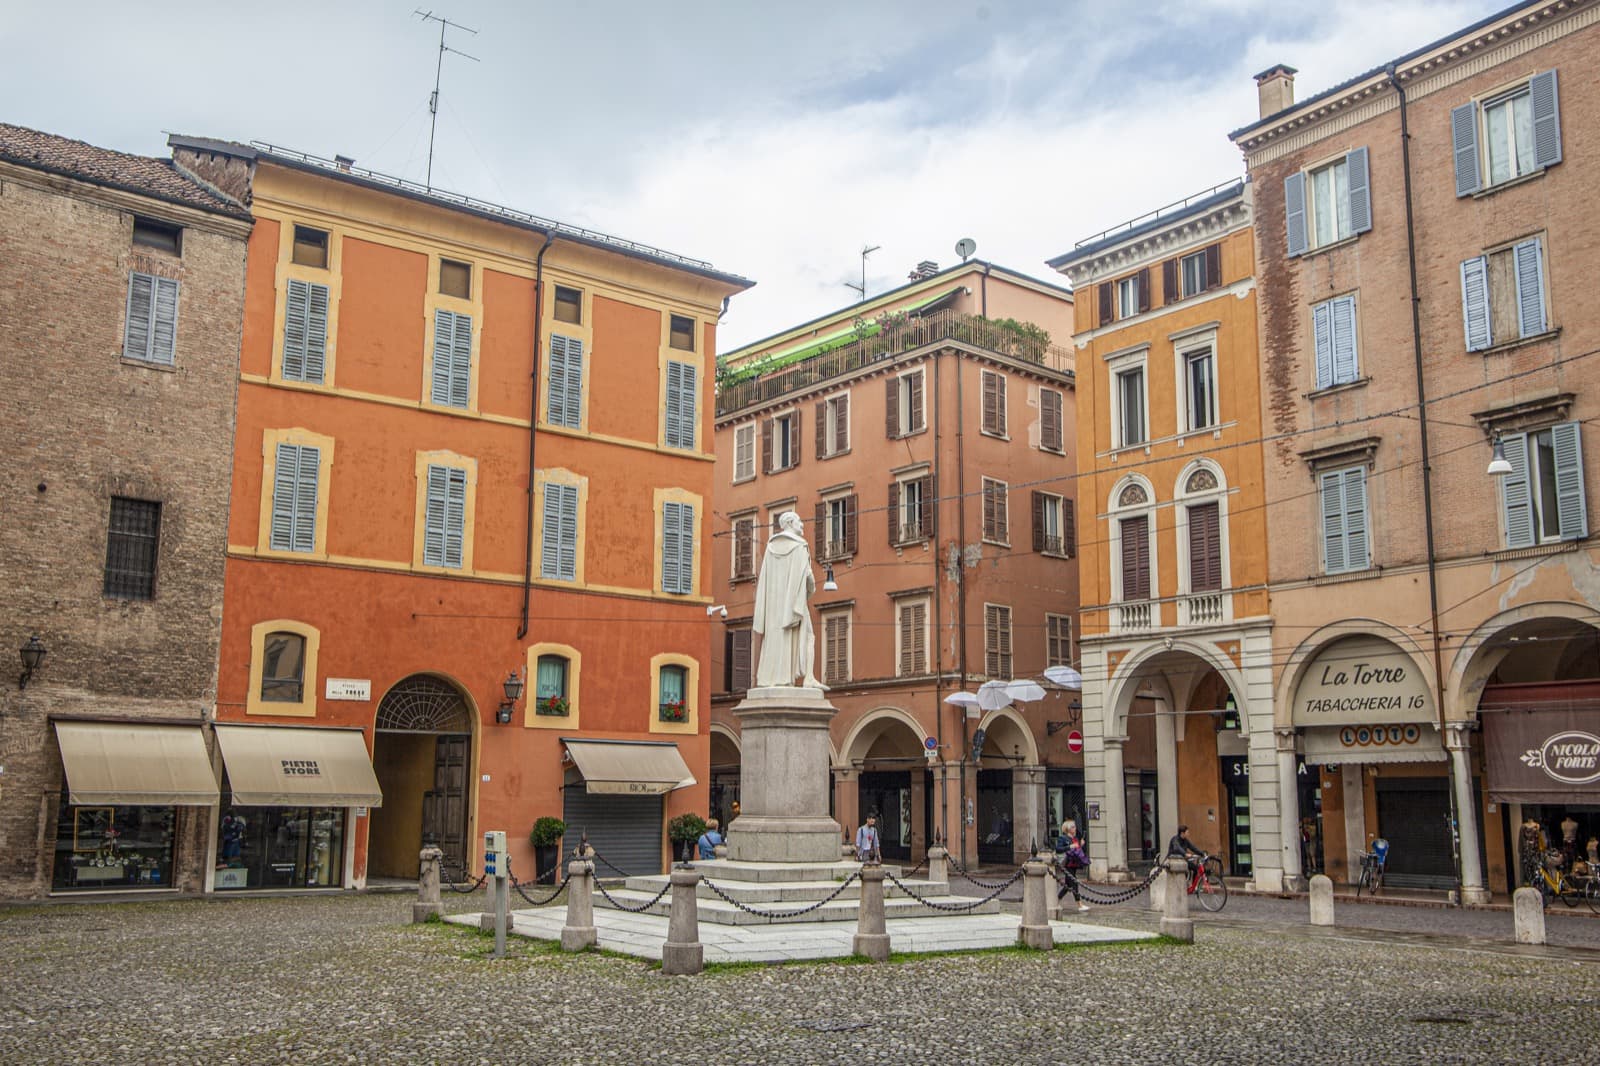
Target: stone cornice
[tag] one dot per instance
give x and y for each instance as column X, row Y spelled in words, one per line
column 1184, row 235
column 124, row 200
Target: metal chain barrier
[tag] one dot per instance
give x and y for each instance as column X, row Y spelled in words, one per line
column 772, row 915
column 1104, row 897
column 956, row 866
column 555, row 889
column 953, row 907
column 646, row 905
column 597, row 857
column 447, row 877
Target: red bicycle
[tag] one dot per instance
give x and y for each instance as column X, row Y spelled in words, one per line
column 1206, row 884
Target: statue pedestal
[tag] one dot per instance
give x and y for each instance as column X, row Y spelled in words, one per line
column 784, row 780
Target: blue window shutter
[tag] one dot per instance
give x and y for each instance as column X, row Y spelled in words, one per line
column 685, row 548
column 136, row 333
column 1355, row 519
column 1464, row 134
column 285, row 467
column 571, row 384
column 1515, row 495
column 1294, row 210
column 455, row 517
column 681, row 406
column 1475, row 303
column 550, row 533
column 669, row 547
column 1333, row 553
column 1359, row 191
column 1344, row 339
column 461, row 362
column 687, row 405
column 1570, row 505
column 569, row 532
column 1322, row 330
column 1546, row 119
column 296, row 309
column 164, row 322
column 1530, row 288
column 433, row 533
column 305, row 500
column 444, row 327
column 556, row 389
column 316, row 334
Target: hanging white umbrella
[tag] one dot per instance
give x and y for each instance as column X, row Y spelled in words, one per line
column 992, row 695
column 1065, row 676
column 1024, row 690
column 962, row 699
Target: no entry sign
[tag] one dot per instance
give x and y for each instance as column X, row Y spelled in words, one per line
column 1074, row 741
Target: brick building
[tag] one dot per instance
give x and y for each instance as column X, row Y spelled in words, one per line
column 927, row 438
column 1425, row 234
column 122, row 290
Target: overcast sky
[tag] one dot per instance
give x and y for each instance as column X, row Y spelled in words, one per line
column 774, row 141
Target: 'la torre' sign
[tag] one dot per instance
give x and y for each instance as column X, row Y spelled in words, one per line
column 1362, row 680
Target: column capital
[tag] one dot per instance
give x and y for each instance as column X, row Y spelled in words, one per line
column 1285, row 735
column 1110, row 741
column 1457, row 735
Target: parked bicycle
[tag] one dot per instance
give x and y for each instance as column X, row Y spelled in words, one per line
column 1373, row 864
column 1554, row 882
column 1206, row 884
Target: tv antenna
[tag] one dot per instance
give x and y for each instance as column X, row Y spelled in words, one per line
column 438, row 70
column 861, row 290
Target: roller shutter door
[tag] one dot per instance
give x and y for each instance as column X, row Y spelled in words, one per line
column 625, row 830
column 1412, row 816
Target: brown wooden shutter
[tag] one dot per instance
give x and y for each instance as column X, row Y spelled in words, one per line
column 837, row 644
column 1213, row 265
column 1038, row 522
column 926, row 518
column 1003, row 632
column 988, row 512
column 919, row 638
column 738, row 659
column 1135, row 558
column 891, row 407
column 991, row 402
column 1205, row 549
column 794, row 436
column 906, row 640
column 1169, row 282
column 766, row 445
column 841, row 423
column 850, row 508
column 1002, row 513
column 744, row 534
column 1069, row 529
column 819, row 540
column 1144, row 290
column 915, row 402
column 1107, row 303
column 1050, row 420
column 894, row 514
column 822, row 430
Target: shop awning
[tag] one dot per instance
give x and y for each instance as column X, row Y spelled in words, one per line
column 629, row 767
column 136, row 764
column 282, row 766
column 1545, row 755
column 1335, row 745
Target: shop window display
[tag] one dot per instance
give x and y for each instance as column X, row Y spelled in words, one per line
column 113, row 847
column 280, row 847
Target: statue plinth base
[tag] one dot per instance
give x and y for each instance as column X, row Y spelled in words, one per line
column 784, row 778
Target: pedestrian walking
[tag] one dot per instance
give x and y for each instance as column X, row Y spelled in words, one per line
column 867, row 849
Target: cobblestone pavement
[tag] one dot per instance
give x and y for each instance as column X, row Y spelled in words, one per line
column 343, row 979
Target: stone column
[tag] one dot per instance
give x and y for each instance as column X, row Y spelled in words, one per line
column 428, row 907
column 1166, row 773
column 1289, row 812
column 579, row 932
column 1175, row 920
column 871, row 939
column 683, row 952
column 784, row 779
column 1108, row 837
column 1034, row 932
column 1459, row 743
column 1027, row 811
column 1355, row 817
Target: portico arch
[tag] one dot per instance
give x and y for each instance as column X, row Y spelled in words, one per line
column 1482, row 652
column 882, row 771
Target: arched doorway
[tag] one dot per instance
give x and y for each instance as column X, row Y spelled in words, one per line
column 726, row 760
column 422, row 753
column 1009, row 804
column 893, row 782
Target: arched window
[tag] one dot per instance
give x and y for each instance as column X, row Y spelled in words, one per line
column 674, row 685
column 283, row 664
column 550, row 685
column 1202, row 519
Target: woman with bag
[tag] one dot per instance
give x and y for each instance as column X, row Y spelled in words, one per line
column 1072, row 856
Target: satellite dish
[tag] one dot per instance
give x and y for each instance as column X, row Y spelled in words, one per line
column 965, row 247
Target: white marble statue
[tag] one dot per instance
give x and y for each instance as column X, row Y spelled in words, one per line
column 782, row 610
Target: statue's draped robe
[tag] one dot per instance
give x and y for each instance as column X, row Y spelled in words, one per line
column 782, row 617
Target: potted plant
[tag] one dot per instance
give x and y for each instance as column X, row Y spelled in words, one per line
column 685, row 829
column 546, row 841
column 551, row 705
column 674, row 711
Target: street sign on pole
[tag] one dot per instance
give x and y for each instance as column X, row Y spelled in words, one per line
column 931, row 744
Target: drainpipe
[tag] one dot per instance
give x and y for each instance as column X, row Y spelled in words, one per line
column 961, row 583
column 1427, row 479
column 533, row 426
column 983, row 292
column 938, row 594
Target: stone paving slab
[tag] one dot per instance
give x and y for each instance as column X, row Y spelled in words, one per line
column 642, row 935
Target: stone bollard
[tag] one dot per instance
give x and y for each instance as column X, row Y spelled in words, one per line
column 427, row 907
column 1527, row 907
column 683, row 952
column 1321, row 899
column 1158, row 887
column 579, row 932
column 1052, row 887
column 1034, row 932
column 938, row 864
column 1175, row 920
column 872, row 938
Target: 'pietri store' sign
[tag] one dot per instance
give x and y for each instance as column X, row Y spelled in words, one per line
column 1362, row 680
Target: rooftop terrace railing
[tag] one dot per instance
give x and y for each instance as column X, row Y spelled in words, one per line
column 750, row 384
column 1161, row 212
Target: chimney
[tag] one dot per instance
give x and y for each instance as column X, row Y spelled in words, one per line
column 343, row 162
column 1276, row 88
column 925, row 269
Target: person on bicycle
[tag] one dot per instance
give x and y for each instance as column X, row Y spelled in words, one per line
column 1181, row 847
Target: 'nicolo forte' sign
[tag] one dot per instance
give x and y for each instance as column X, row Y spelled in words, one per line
column 1362, row 680
column 1542, row 756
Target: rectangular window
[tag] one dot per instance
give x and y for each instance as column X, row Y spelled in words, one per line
column 782, row 441
column 1328, row 204
column 1052, row 524
column 677, row 548
column 910, row 510
column 1050, row 421
column 681, row 333
column 1135, row 558
column 833, row 426
column 310, row 247
column 1200, row 388
column 736, row 660
column 1503, row 295
column 912, row 636
column 1130, row 407
column 455, row 279
column 294, row 498
column 994, row 404
column 903, row 414
column 1058, row 640
column 1128, row 297
column 744, row 452
column 564, row 390
column 836, row 647
column 558, row 542
column 1333, row 328
column 1205, row 548
column 162, row 236
column 683, row 396
column 996, row 527
column 996, row 641
column 305, row 331
column 151, row 332
column 836, row 526
column 1507, row 136
column 445, row 519
column 569, row 306
column 744, row 547
column 1344, row 520
column 452, row 359
column 1543, row 496
column 1194, row 274
column 672, row 693
column 131, row 542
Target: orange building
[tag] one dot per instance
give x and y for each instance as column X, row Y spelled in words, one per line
column 404, row 538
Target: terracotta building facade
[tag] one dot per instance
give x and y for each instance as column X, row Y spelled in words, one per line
column 927, row 437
